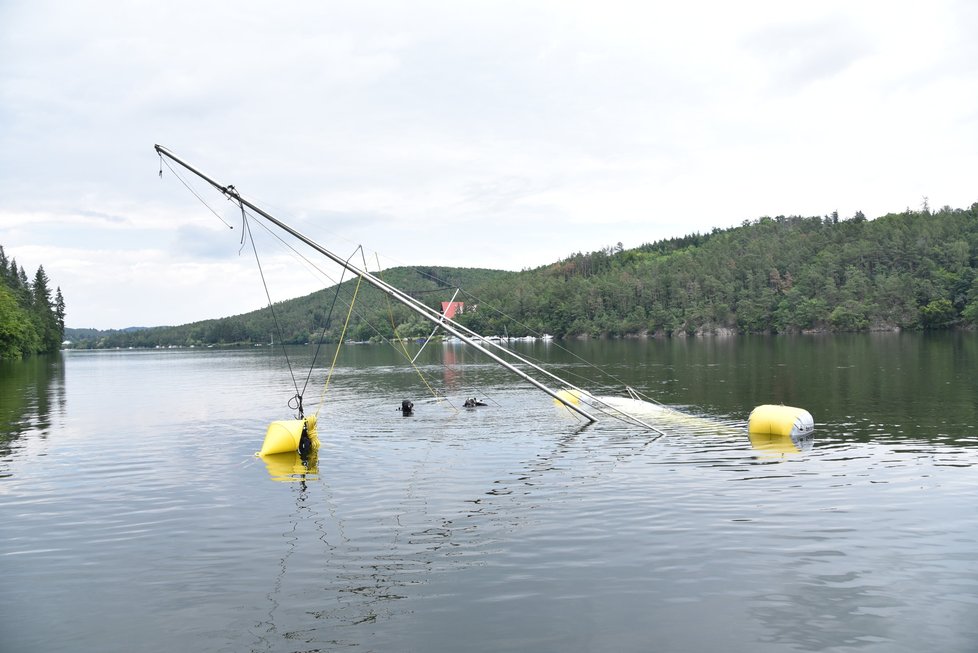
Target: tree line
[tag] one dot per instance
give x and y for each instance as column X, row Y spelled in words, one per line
column 786, row 274
column 31, row 321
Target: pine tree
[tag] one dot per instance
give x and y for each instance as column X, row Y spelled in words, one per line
column 42, row 294
column 59, row 312
column 23, row 287
column 12, row 278
column 44, row 314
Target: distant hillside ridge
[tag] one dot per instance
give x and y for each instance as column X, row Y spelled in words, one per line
column 302, row 319
column 787, row 274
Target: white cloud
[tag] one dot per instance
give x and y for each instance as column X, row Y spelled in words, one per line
column 493, row 134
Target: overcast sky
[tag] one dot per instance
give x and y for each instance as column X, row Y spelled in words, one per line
column 481, row 134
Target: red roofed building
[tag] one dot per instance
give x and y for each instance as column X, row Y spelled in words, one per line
column 451, row 309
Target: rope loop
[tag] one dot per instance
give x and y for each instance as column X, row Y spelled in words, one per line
column 295, row 403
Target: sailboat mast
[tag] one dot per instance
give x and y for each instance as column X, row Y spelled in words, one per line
column 426, row 312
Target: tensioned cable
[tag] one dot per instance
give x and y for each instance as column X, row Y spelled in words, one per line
column 329, row 316
column 192, row 190
column 298, row 396
column 352, row 308
column 531, row 330
column 247, row 228
column 512, row 319
column 326, row 323
column 336, row 354
column 528, row 357
column 400, row 341
column 311, row 264
column 604, row 407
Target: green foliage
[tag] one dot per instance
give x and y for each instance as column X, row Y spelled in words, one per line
column 29, row 323
column 938, row 314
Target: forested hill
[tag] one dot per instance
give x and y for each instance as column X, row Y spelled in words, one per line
column 912, row 270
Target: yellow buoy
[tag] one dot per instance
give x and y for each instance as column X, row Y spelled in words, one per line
column 283, row 436
column 784, row 421
column 780, row 429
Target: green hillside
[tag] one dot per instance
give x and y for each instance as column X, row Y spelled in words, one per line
column 912, row 270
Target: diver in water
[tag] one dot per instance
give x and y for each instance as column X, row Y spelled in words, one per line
column 305, row 442
column 472, row 403
column 407, row 408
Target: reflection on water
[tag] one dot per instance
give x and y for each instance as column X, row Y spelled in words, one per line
column 134, row 509
column 780, row 445
column 291, row 466
column 30, row 390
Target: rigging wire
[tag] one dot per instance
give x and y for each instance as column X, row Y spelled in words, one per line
column 326, row 323
column 596, row 402
column 437, row 326
column 399, row 340
column 475, row 299
column 193, row 191
column 362, row 316
column 296, row 402
column 359, row 314
column 534, row 331
column 336, row 354
column 338, row 284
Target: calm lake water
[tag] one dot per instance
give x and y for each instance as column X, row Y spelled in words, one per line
column 135, row 515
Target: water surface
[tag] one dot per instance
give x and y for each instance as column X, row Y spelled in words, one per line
column 136, row 517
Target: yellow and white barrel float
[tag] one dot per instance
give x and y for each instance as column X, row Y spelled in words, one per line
column 774, row 429
column 780, row 429
column 283, row 436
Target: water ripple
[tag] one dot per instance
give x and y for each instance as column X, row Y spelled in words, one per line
column 508, row 528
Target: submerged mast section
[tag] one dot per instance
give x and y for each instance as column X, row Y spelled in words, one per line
column 424, row 311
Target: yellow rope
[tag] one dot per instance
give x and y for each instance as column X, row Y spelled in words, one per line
column 336, row 354
column 390, row 312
